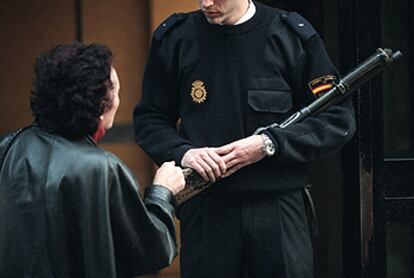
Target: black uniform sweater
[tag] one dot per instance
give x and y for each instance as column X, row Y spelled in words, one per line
column 222, row 82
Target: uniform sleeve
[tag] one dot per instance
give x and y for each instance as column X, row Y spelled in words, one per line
column 143, row 229
column 325, row 133
column 155, row 117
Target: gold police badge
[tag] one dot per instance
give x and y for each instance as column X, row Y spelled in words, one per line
column 198, row 91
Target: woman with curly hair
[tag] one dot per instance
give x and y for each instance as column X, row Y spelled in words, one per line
column 67, row 207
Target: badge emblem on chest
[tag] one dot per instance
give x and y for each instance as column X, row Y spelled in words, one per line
column 198, row 91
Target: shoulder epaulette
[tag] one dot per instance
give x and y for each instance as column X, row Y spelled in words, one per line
column 168, row 23
column 298, row 23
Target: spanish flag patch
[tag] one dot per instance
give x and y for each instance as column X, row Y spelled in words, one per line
column 321, row 85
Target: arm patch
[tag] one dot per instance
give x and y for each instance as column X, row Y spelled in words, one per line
column 301, row 26
column 168, row 24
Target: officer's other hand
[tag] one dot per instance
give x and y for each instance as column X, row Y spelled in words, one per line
column 241, row 153
column 170, row 176
column 206, row 162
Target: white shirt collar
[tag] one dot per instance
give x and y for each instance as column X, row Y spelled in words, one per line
column 251, row 10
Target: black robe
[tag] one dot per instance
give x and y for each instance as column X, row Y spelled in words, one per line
column 71, row 209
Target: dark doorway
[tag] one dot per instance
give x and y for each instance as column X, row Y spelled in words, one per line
column 379, row 177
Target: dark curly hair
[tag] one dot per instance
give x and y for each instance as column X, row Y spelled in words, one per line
column 70, row 88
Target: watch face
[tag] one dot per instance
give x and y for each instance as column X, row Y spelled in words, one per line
column 268, row 147
column 270, row 150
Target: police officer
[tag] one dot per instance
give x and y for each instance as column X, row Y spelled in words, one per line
column 224, row 71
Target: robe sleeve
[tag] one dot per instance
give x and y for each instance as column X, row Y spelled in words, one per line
column 143, row 228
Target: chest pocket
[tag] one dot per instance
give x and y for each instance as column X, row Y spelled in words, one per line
column 271, row 95
column 269, row 99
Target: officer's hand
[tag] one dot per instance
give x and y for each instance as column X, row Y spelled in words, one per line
column 241, row 153
column 206, row 162
column 170, row 176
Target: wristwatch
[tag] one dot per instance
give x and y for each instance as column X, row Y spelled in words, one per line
column 268, row 146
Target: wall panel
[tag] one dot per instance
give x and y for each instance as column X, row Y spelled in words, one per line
column 161, row 9
column 26, row 29
column 123, row 26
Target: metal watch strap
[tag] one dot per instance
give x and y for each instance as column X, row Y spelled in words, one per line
column 268, row 146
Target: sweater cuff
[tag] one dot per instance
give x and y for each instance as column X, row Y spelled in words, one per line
column 178, row 155
column 159, row 195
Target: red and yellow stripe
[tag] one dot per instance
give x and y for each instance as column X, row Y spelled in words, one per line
column 321, row 88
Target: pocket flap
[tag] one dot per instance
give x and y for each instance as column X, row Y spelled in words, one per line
column 270, row 101
column 265, row 83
